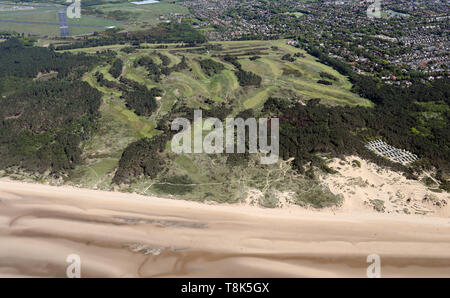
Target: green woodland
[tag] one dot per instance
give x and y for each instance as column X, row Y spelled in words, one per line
column 43, row 122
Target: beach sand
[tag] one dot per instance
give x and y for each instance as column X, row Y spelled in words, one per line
column 364, row 185
column 128, row 235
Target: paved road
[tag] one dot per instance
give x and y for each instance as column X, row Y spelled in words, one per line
column 64, row 28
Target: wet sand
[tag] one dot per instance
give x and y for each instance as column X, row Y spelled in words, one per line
column 127, row 235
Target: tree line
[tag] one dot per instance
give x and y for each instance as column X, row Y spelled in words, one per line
column 162, row 33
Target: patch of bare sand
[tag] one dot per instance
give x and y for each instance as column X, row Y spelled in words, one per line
column 125, row 235
column 370, row 187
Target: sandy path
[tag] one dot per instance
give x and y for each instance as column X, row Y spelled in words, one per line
column 121, row 235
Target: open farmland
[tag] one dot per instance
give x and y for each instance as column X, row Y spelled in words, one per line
column 43, row 20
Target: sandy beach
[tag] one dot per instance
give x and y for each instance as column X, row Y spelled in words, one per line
column 127, row 235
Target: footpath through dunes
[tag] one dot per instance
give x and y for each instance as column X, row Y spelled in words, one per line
column 125, row 235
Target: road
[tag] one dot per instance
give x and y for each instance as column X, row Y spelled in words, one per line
column 64, row 28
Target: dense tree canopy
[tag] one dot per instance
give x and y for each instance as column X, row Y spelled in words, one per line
column 211, row 67
column 116, row 68
column 20, row 61
column 42, row 123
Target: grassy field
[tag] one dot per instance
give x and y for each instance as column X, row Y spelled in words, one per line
column 119, row 127
column 207, row 177
column 138, row 17
column 49, row 15
column 195, row 85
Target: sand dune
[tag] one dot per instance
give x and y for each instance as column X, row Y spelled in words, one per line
column 125, row 235
column 363, row 185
